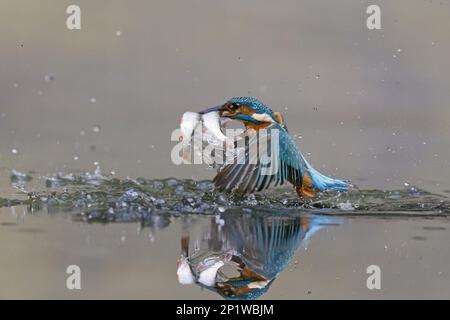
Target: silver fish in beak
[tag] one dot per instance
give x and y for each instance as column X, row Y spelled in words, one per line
column 210, row 118
column 212, row 123
column 189, row 122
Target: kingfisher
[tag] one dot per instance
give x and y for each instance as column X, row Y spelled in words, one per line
column 292, row 168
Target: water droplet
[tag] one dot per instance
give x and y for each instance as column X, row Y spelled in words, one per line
column 346, row 206
column 98, row 170
column 14, row 151
column 118, row 33
column 49, row 77
column 96, row 129
column 93, row 100
column 399, row 50
column 96, row 163
column 406, row 184
column 75, row 158
column 82, row 133
column 15, row 85
column 317, row 76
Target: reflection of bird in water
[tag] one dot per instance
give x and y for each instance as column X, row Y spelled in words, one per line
column 255, row 247
column 249, row 176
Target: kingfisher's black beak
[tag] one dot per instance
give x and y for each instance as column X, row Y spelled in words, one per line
column 217, row 109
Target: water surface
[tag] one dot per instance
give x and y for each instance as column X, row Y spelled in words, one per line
column 128, row 236
column 363, row 105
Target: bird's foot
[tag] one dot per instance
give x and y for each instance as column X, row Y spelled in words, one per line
column 304, row 193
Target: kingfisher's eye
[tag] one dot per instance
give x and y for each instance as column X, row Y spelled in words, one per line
column 234, row 106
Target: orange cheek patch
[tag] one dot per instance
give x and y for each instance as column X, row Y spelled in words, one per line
column 245, row 110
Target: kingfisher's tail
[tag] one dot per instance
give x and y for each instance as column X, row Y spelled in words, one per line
column 323, row 183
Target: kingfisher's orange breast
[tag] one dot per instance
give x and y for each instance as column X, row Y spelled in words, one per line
column 256, row 127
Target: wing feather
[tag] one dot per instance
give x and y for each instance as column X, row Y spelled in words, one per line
column 251, row 175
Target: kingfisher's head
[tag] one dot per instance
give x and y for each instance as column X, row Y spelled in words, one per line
column 246, row 109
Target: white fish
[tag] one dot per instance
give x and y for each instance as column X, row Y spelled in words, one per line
column 184, row 272
column 208, row 276
column 189, row 122
column 211, row 120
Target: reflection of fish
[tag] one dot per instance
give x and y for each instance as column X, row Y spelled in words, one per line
column 207, row 277
column 257, row 247
column 184, row 272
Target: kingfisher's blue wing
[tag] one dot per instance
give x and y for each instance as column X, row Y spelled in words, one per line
column 277, row 161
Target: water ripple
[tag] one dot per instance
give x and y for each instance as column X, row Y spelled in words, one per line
column 95, row 197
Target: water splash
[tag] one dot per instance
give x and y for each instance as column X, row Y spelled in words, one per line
column 94, row 196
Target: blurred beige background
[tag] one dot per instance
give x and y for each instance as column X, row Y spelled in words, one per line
column 371, row 106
